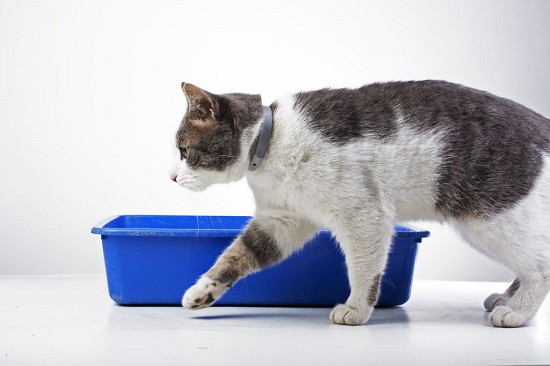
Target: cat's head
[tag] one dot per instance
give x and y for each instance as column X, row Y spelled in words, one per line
column 215, row 137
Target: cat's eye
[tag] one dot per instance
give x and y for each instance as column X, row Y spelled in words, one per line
column 184, row 152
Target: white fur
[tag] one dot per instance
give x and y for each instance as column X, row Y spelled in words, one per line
column 359, row 190
column 324, row 184
column 196, row 297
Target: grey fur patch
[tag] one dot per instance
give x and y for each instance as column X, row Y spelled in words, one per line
column 261, row 244
column 232, row 265
column 229, row 276
column 253, row 250
column 374, row 291
column 213, row 125
column 345, row 115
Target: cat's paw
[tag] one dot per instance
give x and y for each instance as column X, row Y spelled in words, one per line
column 505, row 317
column 203, row 294
column 346, row 315
column 495, row 300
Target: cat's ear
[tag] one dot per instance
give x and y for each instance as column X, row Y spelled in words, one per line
column 200, row 102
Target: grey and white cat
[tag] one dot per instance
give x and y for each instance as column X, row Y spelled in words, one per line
column 356, row 161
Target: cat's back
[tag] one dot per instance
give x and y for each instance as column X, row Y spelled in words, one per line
column 344, row 115
column 491, row 147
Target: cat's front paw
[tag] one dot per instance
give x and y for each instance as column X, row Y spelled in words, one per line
column 347, row 315
column 203, row 294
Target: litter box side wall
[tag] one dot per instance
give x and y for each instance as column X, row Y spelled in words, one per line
column 396, row 284
column 156, row 271
column 154, row 266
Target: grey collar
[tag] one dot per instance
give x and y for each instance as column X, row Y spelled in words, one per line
column 263, row 139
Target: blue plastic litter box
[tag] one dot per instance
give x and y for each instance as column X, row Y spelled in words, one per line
column 152, row 260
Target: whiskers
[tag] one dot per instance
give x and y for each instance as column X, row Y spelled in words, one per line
column 200, row 184
column 194, row 182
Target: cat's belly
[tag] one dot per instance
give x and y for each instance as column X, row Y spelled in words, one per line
column 419, row 210
column 416, row 203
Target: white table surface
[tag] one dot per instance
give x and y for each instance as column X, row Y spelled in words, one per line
column 70, row 320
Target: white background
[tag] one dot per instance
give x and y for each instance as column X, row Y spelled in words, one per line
column 90, row 98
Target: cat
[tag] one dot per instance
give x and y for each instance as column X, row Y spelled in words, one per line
column 357, row 161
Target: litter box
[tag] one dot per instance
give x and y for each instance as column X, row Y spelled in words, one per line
column 153, row 260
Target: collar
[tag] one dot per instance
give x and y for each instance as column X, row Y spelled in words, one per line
column 263, row 139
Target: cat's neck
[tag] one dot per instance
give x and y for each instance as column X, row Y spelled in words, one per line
column 289, row 141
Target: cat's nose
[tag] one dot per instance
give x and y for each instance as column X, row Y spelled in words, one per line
column 174, row 178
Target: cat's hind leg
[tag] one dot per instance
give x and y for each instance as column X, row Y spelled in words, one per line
column 520, row 246
column 497, row 299
column 523, row 305
column 519, row 238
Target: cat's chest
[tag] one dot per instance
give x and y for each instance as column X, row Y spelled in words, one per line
column 284, row 190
